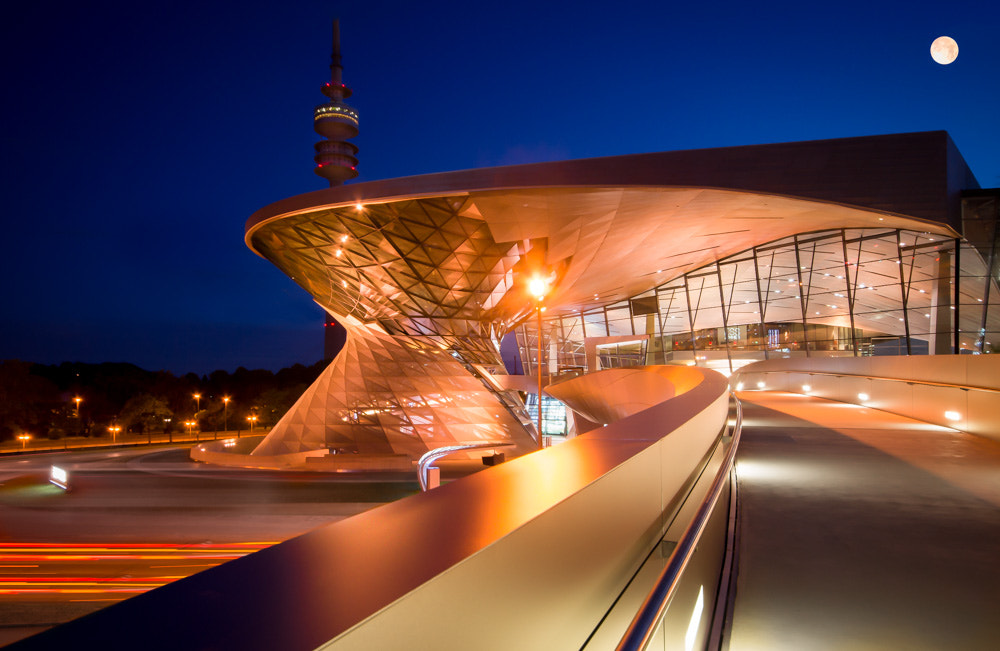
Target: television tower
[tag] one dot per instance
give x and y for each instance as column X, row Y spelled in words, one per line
column 336, row 159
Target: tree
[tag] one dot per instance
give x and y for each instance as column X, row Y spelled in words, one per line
column 273, row 403
column 145, row 413
column 27, row 401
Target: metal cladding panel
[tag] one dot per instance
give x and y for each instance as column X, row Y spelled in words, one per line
column 913, row 174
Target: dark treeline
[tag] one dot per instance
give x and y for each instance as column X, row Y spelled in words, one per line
column 40, row 399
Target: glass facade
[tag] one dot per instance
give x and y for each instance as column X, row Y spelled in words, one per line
column 851, row 292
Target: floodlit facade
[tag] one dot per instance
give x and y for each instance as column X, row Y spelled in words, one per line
column 850, row 247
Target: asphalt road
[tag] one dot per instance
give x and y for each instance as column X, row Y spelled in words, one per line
column 138, row 518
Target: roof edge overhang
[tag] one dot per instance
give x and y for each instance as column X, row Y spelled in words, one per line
column 918, row 175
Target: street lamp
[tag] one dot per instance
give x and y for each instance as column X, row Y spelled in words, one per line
column 24, row 438
column 197, row 402
column 114, row 429
column 538, row 288
column 225, row 416
column 252, row 419
column 78, row 400
column 190, row 424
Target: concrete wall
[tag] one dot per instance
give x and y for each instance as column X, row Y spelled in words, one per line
column 959, row 391
column 235, row 452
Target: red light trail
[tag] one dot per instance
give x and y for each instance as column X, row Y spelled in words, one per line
column 112, row 571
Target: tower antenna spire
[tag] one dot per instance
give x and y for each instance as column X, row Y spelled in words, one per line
column 336, row 159
column 336, row 68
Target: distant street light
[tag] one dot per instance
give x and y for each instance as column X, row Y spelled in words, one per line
column 252, row 419
column 538, row 288
column 78, row 400
column 114, row 429
column 24, row 438
column 197, row 402
column 190, row 424
column 225, row 417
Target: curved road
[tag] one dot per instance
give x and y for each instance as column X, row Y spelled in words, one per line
column 140, row 517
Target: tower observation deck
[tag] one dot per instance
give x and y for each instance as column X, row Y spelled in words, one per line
column 336, row 159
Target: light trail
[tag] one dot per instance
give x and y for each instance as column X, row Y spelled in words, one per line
column 74, row 569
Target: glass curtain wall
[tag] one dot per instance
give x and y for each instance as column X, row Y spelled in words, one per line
column 851, row 292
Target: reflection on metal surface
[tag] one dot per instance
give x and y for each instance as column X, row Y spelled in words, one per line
column 612, row 394
column 646, row 621
column 691, row 636
column 387, row 395
column 424, row 464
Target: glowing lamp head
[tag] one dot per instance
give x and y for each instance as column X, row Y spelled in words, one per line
column 537, row 287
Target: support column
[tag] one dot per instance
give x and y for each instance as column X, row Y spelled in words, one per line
column 904, row 291
column 941, row 341
column 802, row 296
column 760, row 304
column 725, row 318
column 694, row 344
column 850, row 292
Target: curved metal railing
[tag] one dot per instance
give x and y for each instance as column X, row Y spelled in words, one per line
column 424, row 464
column 644, row 625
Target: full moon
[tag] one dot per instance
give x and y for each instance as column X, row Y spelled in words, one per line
column 944, row 50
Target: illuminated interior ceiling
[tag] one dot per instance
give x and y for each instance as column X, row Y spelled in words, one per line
column 877, row 264
column 446, row 265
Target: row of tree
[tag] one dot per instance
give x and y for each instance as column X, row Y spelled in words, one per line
column 42, row 399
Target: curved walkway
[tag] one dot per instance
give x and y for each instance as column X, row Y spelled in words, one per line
column 859, row 529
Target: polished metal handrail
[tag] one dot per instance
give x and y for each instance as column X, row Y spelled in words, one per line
column 643, row 626
column 423, row 465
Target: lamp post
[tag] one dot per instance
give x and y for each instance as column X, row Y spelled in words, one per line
column 225, row 413
column 538, row 288
column 24, row 438
column 78, row 400
column 114, row 429
column 252, row 419
column 197, row 402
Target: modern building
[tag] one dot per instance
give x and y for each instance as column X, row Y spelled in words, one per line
column 717, row 258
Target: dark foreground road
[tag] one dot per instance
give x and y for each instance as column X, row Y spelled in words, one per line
column 139, row 518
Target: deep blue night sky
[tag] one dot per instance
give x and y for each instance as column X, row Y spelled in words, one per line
column 139, row 137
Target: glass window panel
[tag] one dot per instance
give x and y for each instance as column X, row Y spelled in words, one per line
column 619, row 321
